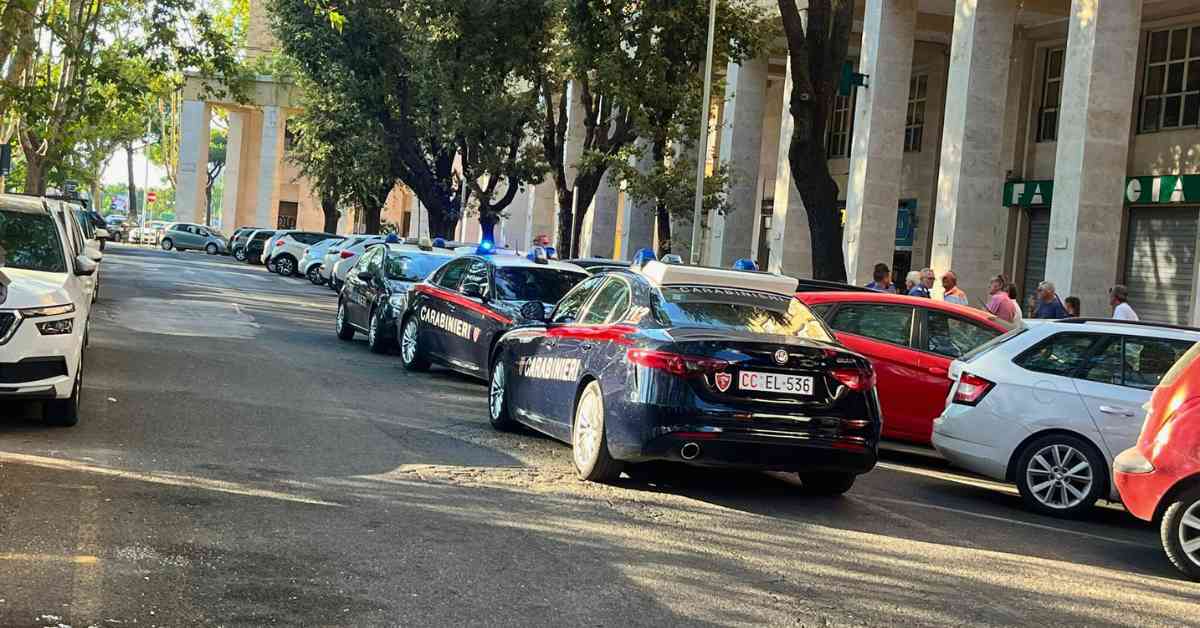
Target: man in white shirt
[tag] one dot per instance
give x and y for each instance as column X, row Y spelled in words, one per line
column 1118, row 297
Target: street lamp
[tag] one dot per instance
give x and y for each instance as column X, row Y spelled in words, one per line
column 702, row 154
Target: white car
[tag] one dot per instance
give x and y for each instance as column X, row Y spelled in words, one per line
column 314, row 258
column 346, row 257
column 78, row 241
column 44, row 309
column 286, row 248
column 1049, row 405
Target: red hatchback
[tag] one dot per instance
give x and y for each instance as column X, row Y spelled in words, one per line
column 911, row 342
column 1159, row 478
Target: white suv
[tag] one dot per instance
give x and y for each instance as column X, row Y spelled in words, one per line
column 1047, row 406
column 285, row 250
column 43, row 310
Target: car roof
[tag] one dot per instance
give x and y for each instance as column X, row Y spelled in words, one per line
column 1108, row 325
column 24, row 204
column 660, row 275
column 873, row 296
column 520, row 261
column 412, row 248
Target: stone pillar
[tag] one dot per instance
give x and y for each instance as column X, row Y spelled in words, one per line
column 194, row 137
column 230, row 217
column 791, row 241
column 603, row 212
column 515, row 227
column 971, row 177
column 873, row 185
column 637, row 221
column 1093, row 145
column 270, row 166
column 741, row 145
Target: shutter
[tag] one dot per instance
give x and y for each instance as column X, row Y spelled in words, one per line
column 1159, row 259
column 1035, row 256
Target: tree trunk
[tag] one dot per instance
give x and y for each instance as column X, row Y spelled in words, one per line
column 810, row 172
column 134, row 214
column 585, row 191
column 97, row 197
column 35, row 178
column 330, row 210
column 208, row 206
column 567, row 238
column 371, row 217
column 662, row 212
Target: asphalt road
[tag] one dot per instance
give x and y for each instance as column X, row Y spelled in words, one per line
column 238, row 465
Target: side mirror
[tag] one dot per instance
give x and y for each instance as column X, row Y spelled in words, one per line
column 85, row 266
column 103, row 234
column 93, row 254
column 534, row 311
column 472, row 290
column 366, row 276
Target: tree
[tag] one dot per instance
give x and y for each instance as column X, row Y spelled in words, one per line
column 216, row 163
column 816, row 55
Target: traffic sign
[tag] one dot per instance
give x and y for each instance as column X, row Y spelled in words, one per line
column 151, row 196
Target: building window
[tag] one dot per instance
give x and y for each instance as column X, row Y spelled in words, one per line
column 1052, row 79
column 841, row 123
column 1171, row 93
column 914, row 122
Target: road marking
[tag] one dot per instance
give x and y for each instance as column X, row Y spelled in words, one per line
column 950, row 477
column 48, row 558
column 167, row 479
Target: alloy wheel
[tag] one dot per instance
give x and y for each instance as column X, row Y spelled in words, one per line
column 373, row 330
column 284, row 266
column 408, row 344
column 496, row 393
column 1189, row 533
column 589, row 427
column 1061, row 477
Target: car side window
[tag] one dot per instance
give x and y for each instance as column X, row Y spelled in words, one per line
column 952, row 336
column 1147, row 360
column 821, row 310
column 889, row 323
column 612, row 298
column 567, row 310
column 452, row 274
column 1105, row 366
column 1060, row 354
column 477, row 275
column 374, row 258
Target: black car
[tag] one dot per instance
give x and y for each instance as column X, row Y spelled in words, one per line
column 237, row 242
column 455, row 317
column 597, row 264
column 703, row 366
column 376, row 290
column 252, row 250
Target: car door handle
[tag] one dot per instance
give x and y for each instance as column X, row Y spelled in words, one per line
column 936, row 370
column 1116, row 410
column 587, row 346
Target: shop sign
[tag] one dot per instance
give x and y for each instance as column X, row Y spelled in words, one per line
column 1028, row 193
column 1165, row 189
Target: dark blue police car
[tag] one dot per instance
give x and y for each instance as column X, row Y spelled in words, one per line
column 377, row 287
column 455, row 317
column 704, row 366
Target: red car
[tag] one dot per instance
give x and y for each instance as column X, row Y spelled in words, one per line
column 911, row 342
column 1159, row 478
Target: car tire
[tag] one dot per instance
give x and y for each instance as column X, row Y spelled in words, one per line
column 499, row 413
column 285, row 265
column 211, row 249
column 239, row 254
column 826, row 483
column 314, row 275
column 412, row 356
column 341, row 325
column 65, row 412
column 1180, row 526
column 1061, row 475
column 167, row 244
column 377, row 339
column 335, row 285
column 589, row 440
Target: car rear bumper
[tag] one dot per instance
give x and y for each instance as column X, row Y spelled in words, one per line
column 751, row 449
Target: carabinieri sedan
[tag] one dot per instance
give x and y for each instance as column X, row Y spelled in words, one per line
column 704, row 366
column 455, row 317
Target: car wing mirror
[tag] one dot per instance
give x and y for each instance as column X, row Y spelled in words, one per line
column 366, row 276
column 534, row 311
column 93, row 254
column 85, row 266
column 103, row 234
column 472, row 290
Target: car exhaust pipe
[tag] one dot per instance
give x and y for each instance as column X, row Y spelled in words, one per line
column 689, row 451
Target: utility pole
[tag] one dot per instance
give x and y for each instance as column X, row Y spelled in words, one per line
column 702, row 148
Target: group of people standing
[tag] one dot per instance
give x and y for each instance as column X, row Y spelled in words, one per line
column 1003, row 298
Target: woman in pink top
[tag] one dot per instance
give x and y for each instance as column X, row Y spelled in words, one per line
column 1000, row 303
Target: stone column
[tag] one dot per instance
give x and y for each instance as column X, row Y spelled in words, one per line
column 1093, row 145
column 637, row 221
column 741, row 145
column 873, row 187
column 270, row 166
column 971, row 177
column 231, row 218
column 194, row 137
column 791, row 241
column 603, row 213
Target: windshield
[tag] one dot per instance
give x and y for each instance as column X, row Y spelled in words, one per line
column 547, row 285
column 30, row 241
column 992, row 344
column 400, row 267
column 739, row 310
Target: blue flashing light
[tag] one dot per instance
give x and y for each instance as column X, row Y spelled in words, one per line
column 642, row 256
column 487, row 239
column 392, row 238
column 745, row 264
column 439, row 243
column 551, row 252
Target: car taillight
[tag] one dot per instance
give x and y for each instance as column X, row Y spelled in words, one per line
column 854, row 379
column 346, row 254
column 674, row 363
column 971, row 389
column 279, row 243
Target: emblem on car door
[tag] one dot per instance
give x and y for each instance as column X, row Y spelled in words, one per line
column 723, row 380
column 781, row 356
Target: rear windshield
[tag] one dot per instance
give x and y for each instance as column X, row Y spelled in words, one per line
column 399, row 267
column 992, row 344
column 30, row 241
column 547, row 285
column 262, row 235
column 740, row 310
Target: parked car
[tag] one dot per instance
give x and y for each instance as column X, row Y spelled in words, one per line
column 287, row 247
column 1159, row 477
column 598, row 264
column 377, row 289
column 1049, row 405
column 76, row 238
column 347, row 257
column 44, row 315
column 709, row 367
column 314, row 257
column 237, row 242
column 333, row 254
column 117, row 227
column 184, row 236
column 253, row 249
column 910, row 342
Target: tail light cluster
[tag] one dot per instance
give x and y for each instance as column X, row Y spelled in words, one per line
column 345, row 254
column 855, row 379
column 279, row 243
column 674, row 363
column 971, row 389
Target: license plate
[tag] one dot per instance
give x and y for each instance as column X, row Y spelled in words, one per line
column 775, row 383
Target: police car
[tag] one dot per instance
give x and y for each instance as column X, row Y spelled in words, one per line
column 376, row 290
column 704, row 366
column 455, row 317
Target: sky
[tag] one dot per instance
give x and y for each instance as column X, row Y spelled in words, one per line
column 115, row 170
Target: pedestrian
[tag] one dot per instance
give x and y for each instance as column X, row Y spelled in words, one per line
column 999, row 303
column 1049, row 305
column 953, row 294
column 911, row 281
column 1012, row 294
column 1072, row 305
column 1118, row 297
column 883, row 279
column 924, row 286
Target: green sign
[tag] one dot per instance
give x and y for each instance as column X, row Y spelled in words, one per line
column 1161, row 190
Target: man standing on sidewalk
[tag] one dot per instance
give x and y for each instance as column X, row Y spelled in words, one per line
column 1049, row 305
column 999, row 303
column 953, row 294
column 1118, row 297
column 883, row 279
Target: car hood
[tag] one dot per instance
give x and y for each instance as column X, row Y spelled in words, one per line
column 32, row 288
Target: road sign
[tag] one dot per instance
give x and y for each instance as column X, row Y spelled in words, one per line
column 151, row 196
